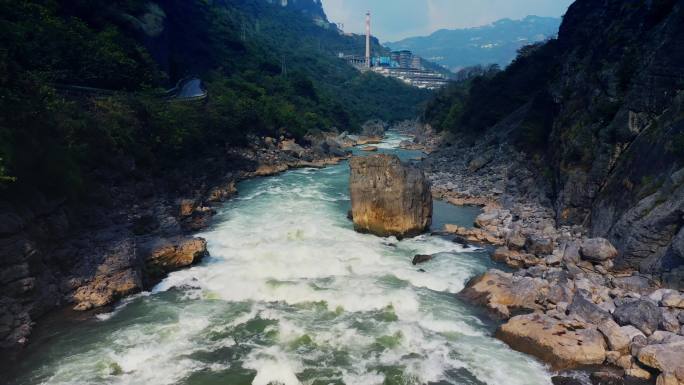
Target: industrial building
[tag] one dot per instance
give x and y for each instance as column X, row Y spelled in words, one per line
column 402, row 65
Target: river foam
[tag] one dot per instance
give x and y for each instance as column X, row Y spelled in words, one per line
column 292, row 295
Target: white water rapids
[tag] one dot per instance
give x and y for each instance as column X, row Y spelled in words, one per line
column 292, row 295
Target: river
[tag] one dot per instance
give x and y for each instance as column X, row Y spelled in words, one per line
column 292, row 295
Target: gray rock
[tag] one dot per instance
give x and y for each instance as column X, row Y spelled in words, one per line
column 561, row 292
column 566, row 380
column 515, row 240
column 663, row 337
column 643, row 314
column 635, row 283
column 539, row 245
column 638, row 342
column 571, row 253
column 597, row 250
column 608, row 305
column 669, row 321
column 480, row 161
column 606, row 378
column 657, row 295
column 554, row 259
column 420, row 258
column 588, row 311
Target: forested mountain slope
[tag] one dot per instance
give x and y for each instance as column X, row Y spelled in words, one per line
column 601, row 114
column 267, row 67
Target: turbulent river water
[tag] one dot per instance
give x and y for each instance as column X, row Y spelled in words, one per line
column 292, row 295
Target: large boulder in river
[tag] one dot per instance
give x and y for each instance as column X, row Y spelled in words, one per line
column 389, row 197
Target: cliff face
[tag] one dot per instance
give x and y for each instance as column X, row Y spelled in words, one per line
column 616, row 140
column 600, row 113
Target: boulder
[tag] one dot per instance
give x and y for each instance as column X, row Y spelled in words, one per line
column 163, row 255
column 633, row 333
column 643, row 314
column 486, row 220
column 222, row 192
column 515, row 240
column 291, row 147
column 663, row 337
column 669, row 321
column 605, row 377
column 571, row 253
column 657, row 295
column 474, row 235
column 668, row 358
column 186, row 207
column 617, row 337
column 504, row 293
column 480, row 161
column 420, row 258
column 539, row 245
column 597, row 250
column 514, row 258
column 561, row 292
column 634, row 283
column 389, row 197
column 586, row 310
column 566, row 380
column 562, row 345
column 673, row 299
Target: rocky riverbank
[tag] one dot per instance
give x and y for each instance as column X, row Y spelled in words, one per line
column 561, row 296
column 132, row 231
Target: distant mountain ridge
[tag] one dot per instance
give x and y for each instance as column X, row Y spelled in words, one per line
column 496, row 43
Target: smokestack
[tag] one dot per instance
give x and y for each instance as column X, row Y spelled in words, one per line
column 368, row 35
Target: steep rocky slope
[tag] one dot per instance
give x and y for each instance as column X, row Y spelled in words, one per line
column 598, row 114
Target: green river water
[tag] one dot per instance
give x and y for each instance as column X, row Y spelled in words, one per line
column 292, row 295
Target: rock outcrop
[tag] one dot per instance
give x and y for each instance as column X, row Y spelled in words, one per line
column 163, row 255
column 388, row 197
column 503, row 293
column 561, row 344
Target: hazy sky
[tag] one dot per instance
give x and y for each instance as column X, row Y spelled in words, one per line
column 396, row 19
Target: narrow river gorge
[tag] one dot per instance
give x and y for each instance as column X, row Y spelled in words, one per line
column 292, row 294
